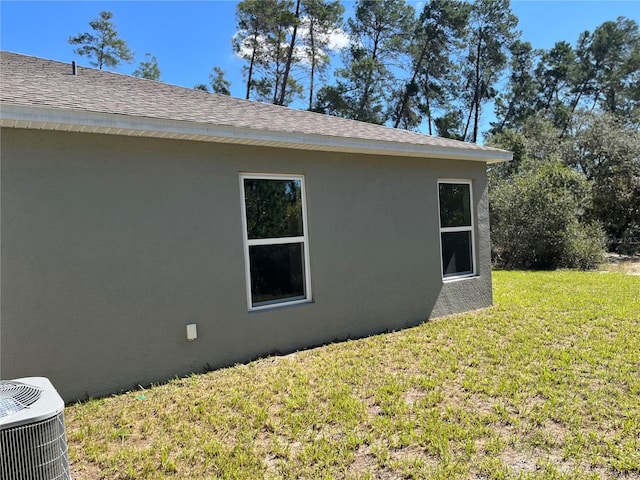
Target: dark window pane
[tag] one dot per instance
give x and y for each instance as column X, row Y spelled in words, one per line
column 274, row 208
column 277, row 272
column 456, row 253
column 455, row 205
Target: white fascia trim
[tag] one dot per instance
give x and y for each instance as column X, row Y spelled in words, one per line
column 47, row 118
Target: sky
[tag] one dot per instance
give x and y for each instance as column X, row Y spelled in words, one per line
column 189, row 38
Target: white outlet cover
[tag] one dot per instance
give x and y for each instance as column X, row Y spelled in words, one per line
column 192, row 331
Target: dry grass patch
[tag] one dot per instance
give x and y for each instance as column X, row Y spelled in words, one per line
column 546, row 384
column 626, row 264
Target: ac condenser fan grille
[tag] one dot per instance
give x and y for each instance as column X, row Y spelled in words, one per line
column 16, row 396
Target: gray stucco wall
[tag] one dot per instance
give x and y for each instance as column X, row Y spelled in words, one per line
column 111, row 245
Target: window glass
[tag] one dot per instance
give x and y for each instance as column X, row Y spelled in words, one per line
column 455, row 205
column 277, row 272
column 276, row 250
column 456, row 228
column 273, row 207
column 456, row 253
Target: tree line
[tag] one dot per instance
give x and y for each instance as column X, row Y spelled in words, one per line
column 433, row 69
column 569, row 113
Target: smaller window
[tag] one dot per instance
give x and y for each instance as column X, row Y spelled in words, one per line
column 276, row 246
column 456, row 228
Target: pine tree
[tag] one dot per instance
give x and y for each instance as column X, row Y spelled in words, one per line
column 517, row 101
column 491, row 33
column 148, row 69
column 438, row 31
column 320, row 22
column 103, row 46
column 255, row 21
column 219, row 84
column 379, row 33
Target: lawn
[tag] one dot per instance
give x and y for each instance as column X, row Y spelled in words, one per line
column 545, row 384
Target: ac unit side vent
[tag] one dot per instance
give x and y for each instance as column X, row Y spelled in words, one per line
column 35, row 452
column 16, row 396
column 33, row 443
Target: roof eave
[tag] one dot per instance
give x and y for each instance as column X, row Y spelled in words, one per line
column 47, row 118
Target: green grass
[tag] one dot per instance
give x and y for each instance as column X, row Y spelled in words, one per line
column 545, row 384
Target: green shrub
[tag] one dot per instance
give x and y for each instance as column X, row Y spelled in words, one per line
column 536, row 220
column 585, row 248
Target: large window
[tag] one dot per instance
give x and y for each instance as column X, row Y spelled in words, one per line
column 276, row 246
column 456, row 228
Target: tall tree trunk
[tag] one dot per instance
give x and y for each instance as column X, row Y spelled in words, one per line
column 507, row 115
column 466, row 126
column 478, row 92
column 476, row 119
column 287, row 67
column 249, row 79
column 277, row 73
column 367, row 89
column 312, row 40
column 313, row 68
column 426, row 98
column 574, row 105
column 405, row 98
column 250, row 75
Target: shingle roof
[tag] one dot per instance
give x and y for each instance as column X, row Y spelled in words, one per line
column 39, row 93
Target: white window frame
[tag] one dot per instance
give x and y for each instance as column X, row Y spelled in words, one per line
column 304, row 239
column 471, row 228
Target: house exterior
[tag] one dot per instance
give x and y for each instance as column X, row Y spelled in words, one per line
column 150, row 230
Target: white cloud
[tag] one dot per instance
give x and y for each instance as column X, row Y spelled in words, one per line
column 335, row 40
column 338, row 40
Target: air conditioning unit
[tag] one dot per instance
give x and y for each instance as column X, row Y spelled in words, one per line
column 33, row 443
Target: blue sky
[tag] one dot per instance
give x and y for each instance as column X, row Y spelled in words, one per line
column 190, row 37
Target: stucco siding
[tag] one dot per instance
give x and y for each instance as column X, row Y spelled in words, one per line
column 112, row 245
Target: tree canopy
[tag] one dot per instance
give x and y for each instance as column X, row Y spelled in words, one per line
column 148, row 69
column 104, row 47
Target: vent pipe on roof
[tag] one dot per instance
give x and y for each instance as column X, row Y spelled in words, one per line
column 74, row 68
